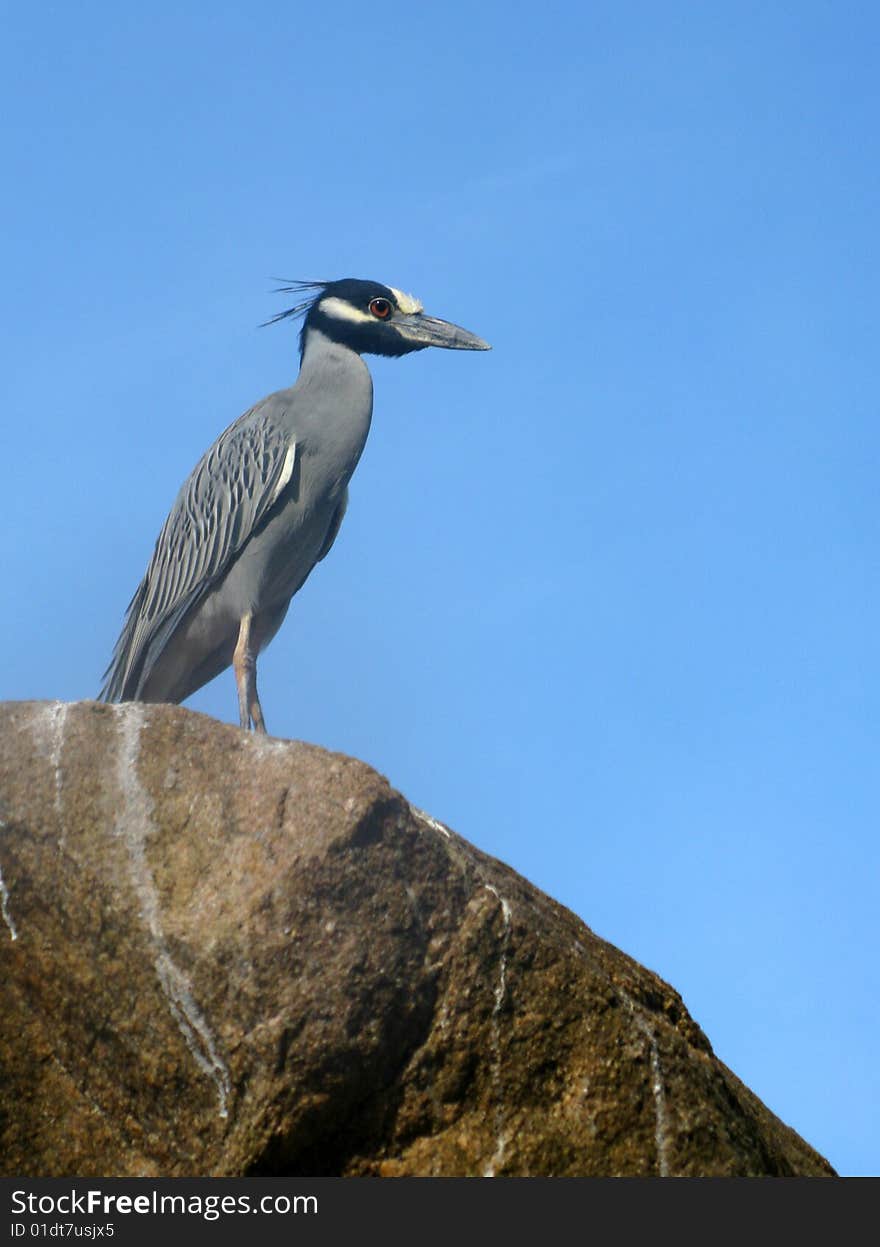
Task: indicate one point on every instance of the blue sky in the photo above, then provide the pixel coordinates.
(606, 599)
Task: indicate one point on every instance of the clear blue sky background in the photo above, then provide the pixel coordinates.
(606, 599)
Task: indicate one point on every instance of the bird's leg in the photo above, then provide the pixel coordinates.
(244, 663)
(256, 710)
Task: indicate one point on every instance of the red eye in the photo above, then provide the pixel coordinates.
(380, 308)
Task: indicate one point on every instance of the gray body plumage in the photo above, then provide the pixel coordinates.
(259, 511)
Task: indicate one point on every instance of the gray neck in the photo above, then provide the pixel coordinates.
(319, 351)
(335, 401)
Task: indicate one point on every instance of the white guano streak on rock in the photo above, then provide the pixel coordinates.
(47, 725)
(4, 902)
(430, 822)
(658, 1091)
(133, 826)
(661, 1128)
(500, 992)
(58, 720)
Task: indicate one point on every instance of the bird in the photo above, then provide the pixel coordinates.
(264, 504)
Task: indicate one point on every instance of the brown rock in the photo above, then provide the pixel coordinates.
(226, 955)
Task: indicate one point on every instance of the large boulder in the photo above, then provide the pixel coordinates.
(222, 954)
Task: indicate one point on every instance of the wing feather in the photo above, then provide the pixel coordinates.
(333, 530)
(228, 494)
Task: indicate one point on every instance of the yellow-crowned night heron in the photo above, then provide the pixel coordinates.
(264, 504)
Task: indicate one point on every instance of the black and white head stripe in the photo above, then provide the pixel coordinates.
(353, 311)
(338, 306)
(371, 319)
(347, 299)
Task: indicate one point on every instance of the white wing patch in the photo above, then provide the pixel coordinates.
(286, 472)
(407, 303)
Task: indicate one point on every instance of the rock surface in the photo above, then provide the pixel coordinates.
(226, 955)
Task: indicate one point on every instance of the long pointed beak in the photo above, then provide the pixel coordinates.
(424, 330)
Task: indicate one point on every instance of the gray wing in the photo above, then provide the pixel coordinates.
(228, 494)
(335, 525)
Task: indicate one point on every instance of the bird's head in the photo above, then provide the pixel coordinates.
(372, 319)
